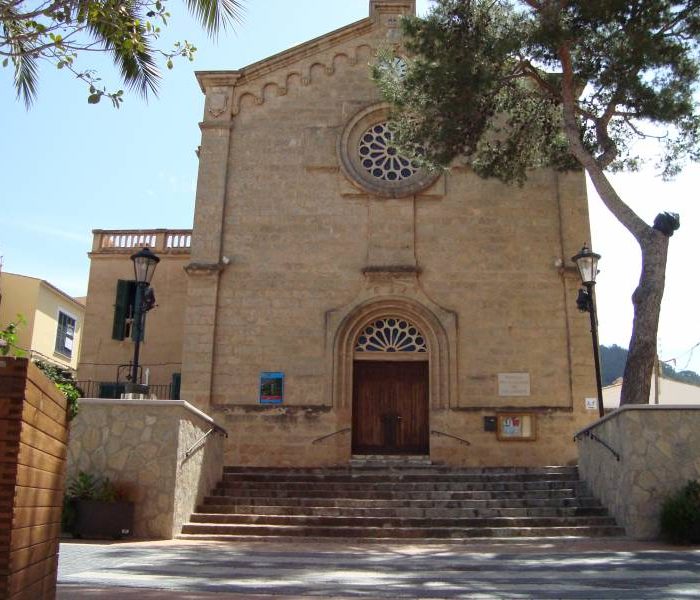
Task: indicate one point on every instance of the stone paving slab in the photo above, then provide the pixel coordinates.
(541, 569)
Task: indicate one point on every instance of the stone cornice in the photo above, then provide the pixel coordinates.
(636, 407)
(155, 403)
(391, 269)
(204, 268)
(216, 79)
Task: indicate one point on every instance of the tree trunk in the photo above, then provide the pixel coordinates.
(654, 245)
(636, 383)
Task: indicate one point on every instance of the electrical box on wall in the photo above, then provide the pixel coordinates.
(490, 424)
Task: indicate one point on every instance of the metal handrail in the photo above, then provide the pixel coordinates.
(593, 436)
(200, 442)
(449, 435)
(324, 437)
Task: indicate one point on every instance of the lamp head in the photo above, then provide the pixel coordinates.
(587, 263)
(144, 265)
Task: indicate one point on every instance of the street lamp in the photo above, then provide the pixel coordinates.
(145, 263)
(587, 263)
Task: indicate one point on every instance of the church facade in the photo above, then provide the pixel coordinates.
(341, 301)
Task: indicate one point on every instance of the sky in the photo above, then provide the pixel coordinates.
(67, 168)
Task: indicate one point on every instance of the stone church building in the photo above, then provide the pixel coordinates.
(336, 300)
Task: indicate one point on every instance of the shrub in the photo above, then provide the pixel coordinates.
(680, 515)
(63, 379)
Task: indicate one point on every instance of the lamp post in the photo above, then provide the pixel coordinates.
(587, 263)
(145, 263)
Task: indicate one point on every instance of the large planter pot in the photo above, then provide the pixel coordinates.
(97, 519)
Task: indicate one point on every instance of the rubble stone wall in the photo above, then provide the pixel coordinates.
(659, 452)
(141, 445)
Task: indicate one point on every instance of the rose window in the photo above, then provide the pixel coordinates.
(391, 334)
(381, 158)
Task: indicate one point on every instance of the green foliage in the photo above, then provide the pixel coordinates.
(613, 359)
(680, 515)
(489, 80)
(8, 338)
(85, 486)
(63, 378)
(612, 363)
(61, 31)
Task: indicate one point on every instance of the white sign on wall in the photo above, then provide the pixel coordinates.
(591, 403)
(514, 384)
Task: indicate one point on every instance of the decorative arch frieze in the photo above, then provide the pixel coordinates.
(306, 76)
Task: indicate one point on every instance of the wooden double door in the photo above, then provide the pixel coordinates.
(390, 407)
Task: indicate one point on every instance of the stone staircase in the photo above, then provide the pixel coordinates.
(412, 500)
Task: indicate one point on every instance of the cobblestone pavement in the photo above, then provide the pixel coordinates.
(567, 569)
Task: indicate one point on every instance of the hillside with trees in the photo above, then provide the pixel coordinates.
(613, 359)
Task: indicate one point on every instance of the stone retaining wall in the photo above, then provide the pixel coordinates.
(142, 445)
(659, 451)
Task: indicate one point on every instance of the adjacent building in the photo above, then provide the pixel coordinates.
(108, 349)
(668, 391)
(54, 320)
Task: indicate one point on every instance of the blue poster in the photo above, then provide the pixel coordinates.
(271, 387)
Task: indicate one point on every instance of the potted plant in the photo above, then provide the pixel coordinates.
(96, 507)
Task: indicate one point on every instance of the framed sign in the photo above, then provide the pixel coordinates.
(517, 427)
(271, 387)
(514, 384)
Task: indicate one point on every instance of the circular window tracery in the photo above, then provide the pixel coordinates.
(373, 163)
(391, 334)
(381, 158)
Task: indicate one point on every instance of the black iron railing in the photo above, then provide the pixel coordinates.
(589, 434)
(449, 435)
(114, 389)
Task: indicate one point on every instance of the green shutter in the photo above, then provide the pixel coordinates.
(175, 386)
(122, 307)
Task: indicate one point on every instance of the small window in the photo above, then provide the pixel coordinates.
(65, 334)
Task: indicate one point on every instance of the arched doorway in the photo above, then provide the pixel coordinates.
(391, 388)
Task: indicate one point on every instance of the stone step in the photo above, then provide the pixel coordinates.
(398, 476)
(398, 495)
(397, 486)
(400, 470)
(382, 460)
(401, 498)
(540, 539)
(208, 529)
(397, 522)
(407, 512)
(529, 502)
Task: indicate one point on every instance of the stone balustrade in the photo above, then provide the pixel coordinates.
(126, 241)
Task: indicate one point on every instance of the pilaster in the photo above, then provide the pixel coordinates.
(207, 261)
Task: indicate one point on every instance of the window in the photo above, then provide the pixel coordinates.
(391, 334)
(124, 309)
(65, 334)
(381, 158)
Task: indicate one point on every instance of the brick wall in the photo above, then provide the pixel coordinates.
(33, 438)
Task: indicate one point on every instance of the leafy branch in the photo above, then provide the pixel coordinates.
(59, 32)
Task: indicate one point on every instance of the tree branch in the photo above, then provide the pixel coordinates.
(634, 224)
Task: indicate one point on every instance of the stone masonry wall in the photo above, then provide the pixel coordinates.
(141, 445)
(659, 450)
(196, 473)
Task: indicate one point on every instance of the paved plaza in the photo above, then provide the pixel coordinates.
(611, 568)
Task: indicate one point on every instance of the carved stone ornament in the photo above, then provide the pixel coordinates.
(218, 103)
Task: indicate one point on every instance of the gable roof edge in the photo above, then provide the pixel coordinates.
(281, 59)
